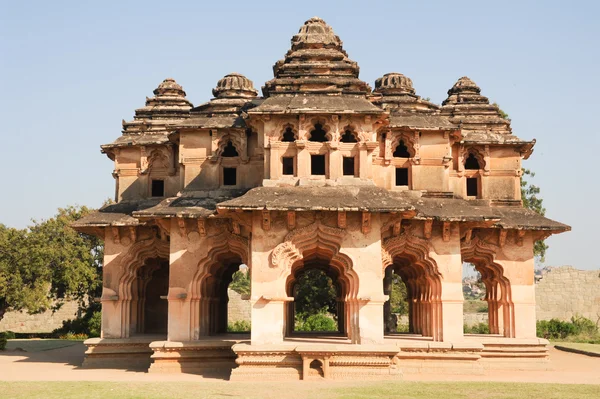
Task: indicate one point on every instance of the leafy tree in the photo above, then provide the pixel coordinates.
(529, 195)
(47, 263)
(398, 296)
(314, 292)
(240, 282)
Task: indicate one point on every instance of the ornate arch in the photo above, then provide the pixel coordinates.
(482, 254)
(408, 141)
(283, 129)
(309, 126)
(355, 131)
(236, 141)
(320, 241)
(479, 156)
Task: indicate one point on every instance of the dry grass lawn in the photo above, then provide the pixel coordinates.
(295, 390)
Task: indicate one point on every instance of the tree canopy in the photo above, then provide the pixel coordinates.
(531, 200)
(48, 262)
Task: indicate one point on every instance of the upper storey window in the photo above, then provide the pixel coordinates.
(472, 163)
(401, 150)
(229, 150)
(348, 137)
(318, 134)
(288, 135)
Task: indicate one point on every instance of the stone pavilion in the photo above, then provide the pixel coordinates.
(321, 171)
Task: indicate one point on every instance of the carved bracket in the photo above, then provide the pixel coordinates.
(427, 227)
(446, 231)
(291, 220)
(266, 220)
(502, 237)
(202, 227)
(342, 220)
(182, 227)
(366, 222)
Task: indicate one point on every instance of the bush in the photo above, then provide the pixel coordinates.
(73, 337)
(315, 322)
(3, 340)
(8, 335)
(402, 328)
(555, 329)
(239, 326)
(479, 328)
(88, 324)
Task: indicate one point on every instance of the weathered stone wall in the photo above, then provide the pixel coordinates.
(21, 322)
(564, 292)
(238, 309)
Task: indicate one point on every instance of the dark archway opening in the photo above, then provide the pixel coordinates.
(150, 289)
(401, 150)
(288, 135)
(318, 134)
(348, 137)
(472, 163)
(229, 150)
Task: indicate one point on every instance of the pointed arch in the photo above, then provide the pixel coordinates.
(498, 290)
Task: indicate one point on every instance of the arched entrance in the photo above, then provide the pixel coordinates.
(319, 305)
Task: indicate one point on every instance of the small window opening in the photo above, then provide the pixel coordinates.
(316, 367)
(472, 187)
(318, 134)
(348, 166)
(472, 162)
(288, 135)
(348, 137)
(288, 165)
(158, 188)
(229, 176)
(317, 165)
(229, 150)
(402, 177)
(401, 150)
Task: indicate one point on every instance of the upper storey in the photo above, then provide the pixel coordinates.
(318, 123)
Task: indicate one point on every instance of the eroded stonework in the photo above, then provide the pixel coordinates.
(321, 172)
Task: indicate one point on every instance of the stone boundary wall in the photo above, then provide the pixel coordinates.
(239, 309)
(470, 319)
(564, 292)
(21, 322)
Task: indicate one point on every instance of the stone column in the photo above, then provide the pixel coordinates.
(518, 264)
(303, 159)
(446, 253)
(335, 161)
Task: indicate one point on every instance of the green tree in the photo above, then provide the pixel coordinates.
(47, 263)
(240, 282)
(531, 200)
(398, 296)
(314, 292)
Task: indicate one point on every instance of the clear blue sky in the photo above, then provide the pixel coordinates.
(70, 71)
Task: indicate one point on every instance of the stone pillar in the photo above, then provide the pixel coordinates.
(363, 169)
(274, 162)
(518, 264)
(335, 161)
(303, 159)
(446, 253)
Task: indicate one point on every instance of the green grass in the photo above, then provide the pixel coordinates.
(38, 345)
(295, 390)
(595, 348)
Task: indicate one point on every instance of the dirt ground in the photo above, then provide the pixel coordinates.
(63, 364)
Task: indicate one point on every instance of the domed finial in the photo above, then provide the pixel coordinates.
(169, 87)
(464, 85)
(315, 33)
(394, 83)
(235, 85)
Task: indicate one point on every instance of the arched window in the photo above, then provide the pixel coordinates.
(472, 163)
(348, 137)
(401, 150)
(288, 135)
(229, 150)
(318, 134)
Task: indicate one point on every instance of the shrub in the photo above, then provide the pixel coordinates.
(555, 329)
(315, 322)
(88, 324)
(402, 328)
(73, 337)
(3, 341)
(8, 335)
(479, 328)
(239, 326)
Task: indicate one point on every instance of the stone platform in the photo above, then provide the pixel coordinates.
(302, 358)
